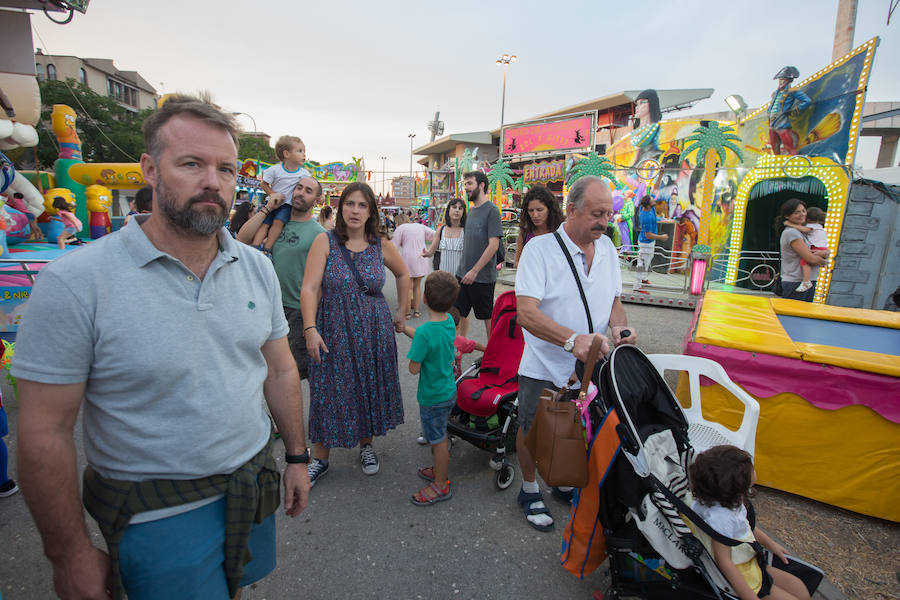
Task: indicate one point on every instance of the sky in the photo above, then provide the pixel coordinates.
(356, 78)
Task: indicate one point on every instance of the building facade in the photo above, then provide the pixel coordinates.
(128, 88)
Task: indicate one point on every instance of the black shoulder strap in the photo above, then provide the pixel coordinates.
(587, 311)
(352, 264)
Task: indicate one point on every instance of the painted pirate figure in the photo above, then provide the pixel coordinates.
(785, 103)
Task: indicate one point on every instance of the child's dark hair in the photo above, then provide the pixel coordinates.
(143, 199)
(722, 474)
(60, 203)
(441, 290)
(454, 312)
(814, 214)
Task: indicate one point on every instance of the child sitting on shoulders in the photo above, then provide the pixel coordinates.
(814, 231)
(281, 179)
(721, 478)
(431, 356)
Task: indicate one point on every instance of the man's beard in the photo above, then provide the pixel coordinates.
(300, 206)
(199, 223)
(473, 195)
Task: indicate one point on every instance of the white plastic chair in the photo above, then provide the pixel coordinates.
(705, 434)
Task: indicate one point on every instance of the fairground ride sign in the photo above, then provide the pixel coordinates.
(557, 135)
(545, 171)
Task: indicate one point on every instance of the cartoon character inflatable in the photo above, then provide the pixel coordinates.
(51, 224)
(99, 199)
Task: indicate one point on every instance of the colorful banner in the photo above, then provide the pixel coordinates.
(552, 136)
(335, 172)
(545, 171)
(12, 300)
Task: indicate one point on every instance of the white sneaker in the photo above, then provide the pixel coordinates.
(804, 286)
(368, 459)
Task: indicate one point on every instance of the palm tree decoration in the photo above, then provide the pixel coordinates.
(500, 178)
(594, 164)
(711, 142)
(519, 185)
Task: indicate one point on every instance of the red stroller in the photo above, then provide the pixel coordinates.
(486, 412)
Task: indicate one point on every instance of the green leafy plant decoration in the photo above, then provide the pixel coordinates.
(712, 137)
(594, 164)
(500, 173)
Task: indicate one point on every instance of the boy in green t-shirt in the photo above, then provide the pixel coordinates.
(431, 356)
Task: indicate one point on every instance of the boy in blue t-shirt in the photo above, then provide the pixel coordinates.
(281, 179)
(431, 357)
(646, 243)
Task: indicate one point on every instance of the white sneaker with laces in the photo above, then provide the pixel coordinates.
(316, 469)
(368, 459)
(805, 285)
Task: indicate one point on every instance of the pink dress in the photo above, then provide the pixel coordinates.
(410, 239)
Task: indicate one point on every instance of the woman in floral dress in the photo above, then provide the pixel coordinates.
(353, 379)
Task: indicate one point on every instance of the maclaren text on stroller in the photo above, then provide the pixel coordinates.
(486, 412)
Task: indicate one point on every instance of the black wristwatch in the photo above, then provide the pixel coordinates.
(293, 459)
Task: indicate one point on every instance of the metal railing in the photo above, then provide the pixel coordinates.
(669, 270)
(756, 270)
(23, 268)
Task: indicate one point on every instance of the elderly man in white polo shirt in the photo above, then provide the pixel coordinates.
(553, 316)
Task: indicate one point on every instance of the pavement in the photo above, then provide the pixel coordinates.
(360, 536)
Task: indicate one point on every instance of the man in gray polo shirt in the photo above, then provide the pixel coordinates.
(180, 475)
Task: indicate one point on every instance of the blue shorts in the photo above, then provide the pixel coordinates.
(282, 213)
(184, 556)
(434, 420)
(4, 424)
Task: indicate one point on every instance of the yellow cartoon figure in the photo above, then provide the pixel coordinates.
(99, 199)
(63, 122)
(58, 222)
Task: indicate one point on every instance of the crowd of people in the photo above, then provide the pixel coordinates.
(286, 297)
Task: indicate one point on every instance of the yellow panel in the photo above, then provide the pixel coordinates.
(871, 362)
(862, 316)
(743, 322)
(847, 457)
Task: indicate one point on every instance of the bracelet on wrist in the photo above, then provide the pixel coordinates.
(307, 328)
(267, 209)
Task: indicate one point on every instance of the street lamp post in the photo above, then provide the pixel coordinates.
(504, 61)
(383, 158)
(410, 136)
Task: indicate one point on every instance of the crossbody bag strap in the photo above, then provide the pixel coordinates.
(345, 252)
(587, 311)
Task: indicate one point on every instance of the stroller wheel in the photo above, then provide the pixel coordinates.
(505, 476)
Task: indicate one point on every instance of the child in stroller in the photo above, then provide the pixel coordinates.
(486, 403)
(639, 492)
(721, 478)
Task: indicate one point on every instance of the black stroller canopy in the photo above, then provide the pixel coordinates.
(633, 386)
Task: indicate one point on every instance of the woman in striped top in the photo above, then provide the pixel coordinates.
(449, 238)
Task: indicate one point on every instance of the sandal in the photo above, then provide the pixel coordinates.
(426, 473)
(416, 314)
(525, 501)
(431, 494)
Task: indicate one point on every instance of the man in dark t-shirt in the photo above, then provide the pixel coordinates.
(477, 271)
